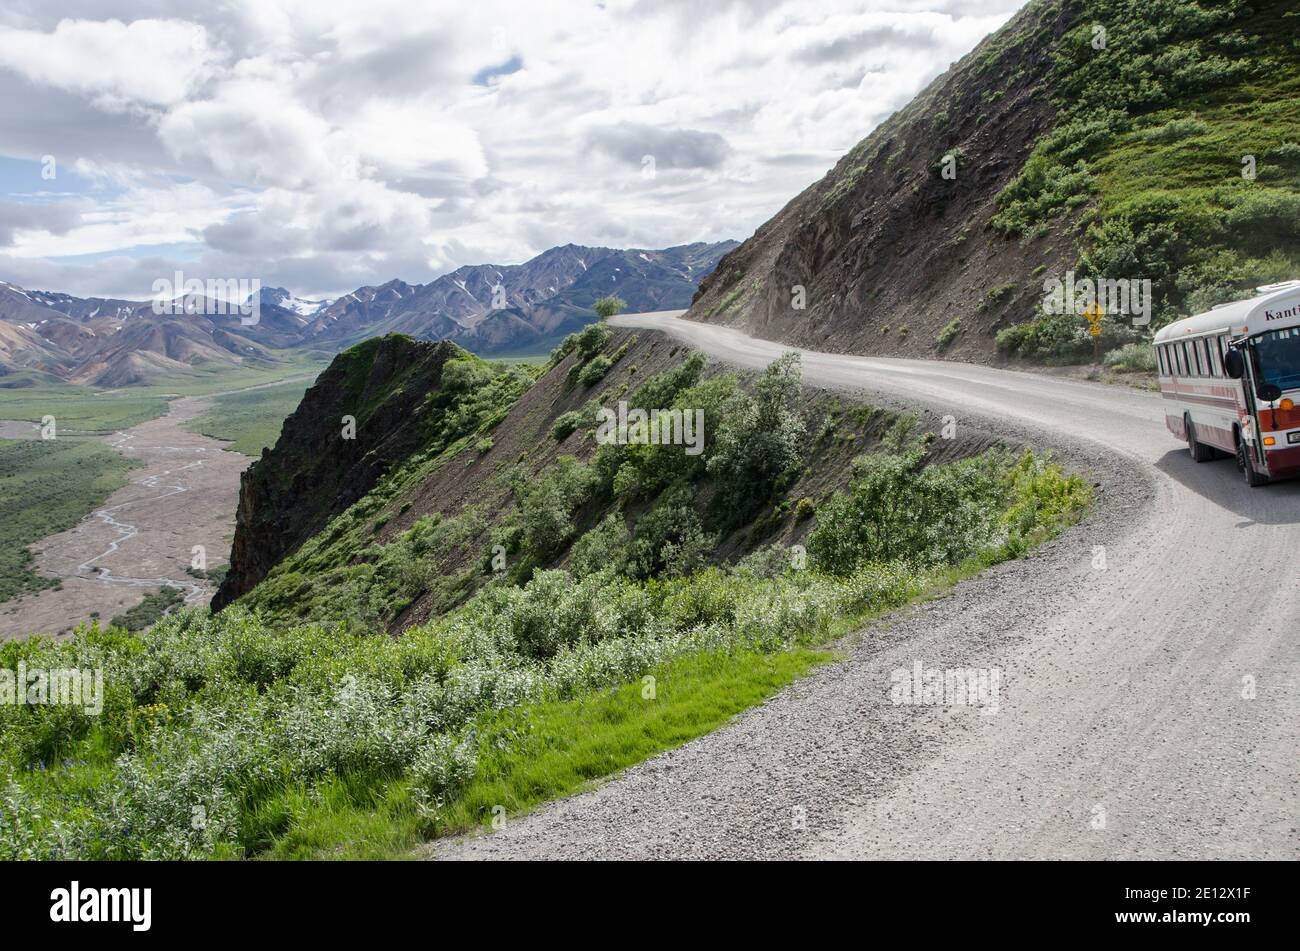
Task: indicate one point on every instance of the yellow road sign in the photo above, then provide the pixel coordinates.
(1095, 315)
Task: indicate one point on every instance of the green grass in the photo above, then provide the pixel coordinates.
(82, 409)
(568, 747)
(147, 612)
(1144, 166)
(47, 486)
(557, 749)
(252, 419)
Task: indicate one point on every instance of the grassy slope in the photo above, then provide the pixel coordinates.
(1144, 165)
(47, 486)
(571, 745)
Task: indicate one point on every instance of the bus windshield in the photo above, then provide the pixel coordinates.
(1277, 358)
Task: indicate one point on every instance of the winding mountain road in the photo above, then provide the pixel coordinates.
(1150, 672)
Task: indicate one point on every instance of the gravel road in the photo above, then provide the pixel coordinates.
(1149, 703)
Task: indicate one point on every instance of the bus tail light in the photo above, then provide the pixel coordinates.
(1270, 441)
(1287, 405)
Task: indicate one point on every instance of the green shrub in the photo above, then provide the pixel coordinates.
(759, 443)
(1175, 130)
(1288, 152)
(592, 339)
(547, 504)
(603, 548)
(897, 508)
(1063, 338)
(997, 295)
(669, 539)
(609, 306)
(1132, 357)
(632, 470)
(948, 333)
(147, 612)
(566, 424)
(594, 371)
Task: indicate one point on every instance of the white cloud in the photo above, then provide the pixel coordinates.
(337, 142)
(116, 64)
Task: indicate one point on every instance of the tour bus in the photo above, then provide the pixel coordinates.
(1231, 380)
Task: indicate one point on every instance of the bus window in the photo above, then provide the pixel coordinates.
(1211, 367)
(1197, 356)
(1276, 357)
(1163, 354)
(1182, 358)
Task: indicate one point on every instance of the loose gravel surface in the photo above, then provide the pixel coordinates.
(1149, 662)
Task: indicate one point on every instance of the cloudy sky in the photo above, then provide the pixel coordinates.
(323, 145)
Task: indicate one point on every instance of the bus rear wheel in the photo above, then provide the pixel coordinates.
(1253, 478)
(1200, 452)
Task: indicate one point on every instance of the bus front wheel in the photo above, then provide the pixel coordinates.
(1253, 478)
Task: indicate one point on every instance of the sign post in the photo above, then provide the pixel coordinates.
(1095, 315)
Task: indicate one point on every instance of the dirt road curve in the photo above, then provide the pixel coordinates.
(1147, 710)
(141, 539)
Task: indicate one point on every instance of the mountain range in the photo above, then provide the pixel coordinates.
(490, 309)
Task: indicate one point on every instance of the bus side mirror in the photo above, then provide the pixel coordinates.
(1234, 363)
(1269, 392)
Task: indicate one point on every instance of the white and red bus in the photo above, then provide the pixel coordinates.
(1231, 381)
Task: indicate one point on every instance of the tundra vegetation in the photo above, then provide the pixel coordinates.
(294, 724)
(250, 419)
(1175, 157)
(70, 476)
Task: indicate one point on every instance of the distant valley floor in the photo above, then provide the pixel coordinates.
(144, 534)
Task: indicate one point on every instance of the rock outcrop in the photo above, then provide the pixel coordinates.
(323, 462)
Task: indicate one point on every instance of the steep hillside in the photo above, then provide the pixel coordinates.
(545, 584)
(1105, 137)
(514, 464)
(365, 413)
